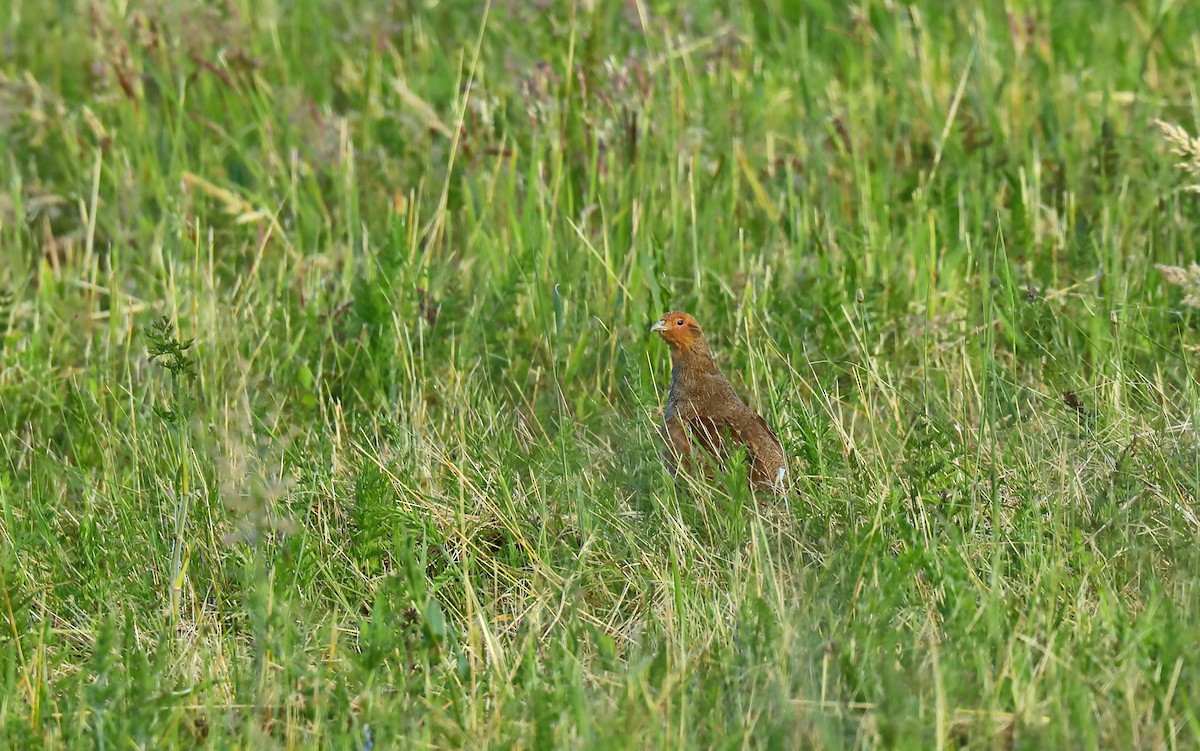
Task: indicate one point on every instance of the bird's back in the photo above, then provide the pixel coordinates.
(702, 400)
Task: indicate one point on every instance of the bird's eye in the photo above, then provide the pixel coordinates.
(679, 322)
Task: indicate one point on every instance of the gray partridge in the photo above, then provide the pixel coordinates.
(704, 411)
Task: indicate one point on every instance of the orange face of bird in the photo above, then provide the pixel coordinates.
(679, 330)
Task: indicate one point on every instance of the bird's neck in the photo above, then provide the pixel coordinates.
(691, 362)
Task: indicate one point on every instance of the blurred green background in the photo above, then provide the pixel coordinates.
(328, 410)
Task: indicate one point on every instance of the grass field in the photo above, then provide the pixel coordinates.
(328, 407)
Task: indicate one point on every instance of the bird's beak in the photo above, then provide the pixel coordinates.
(659, 326)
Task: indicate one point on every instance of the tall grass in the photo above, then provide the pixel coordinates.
(329, 411)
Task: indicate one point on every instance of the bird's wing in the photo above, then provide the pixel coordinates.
(706, 431)
(747, 428)
(758, 419)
